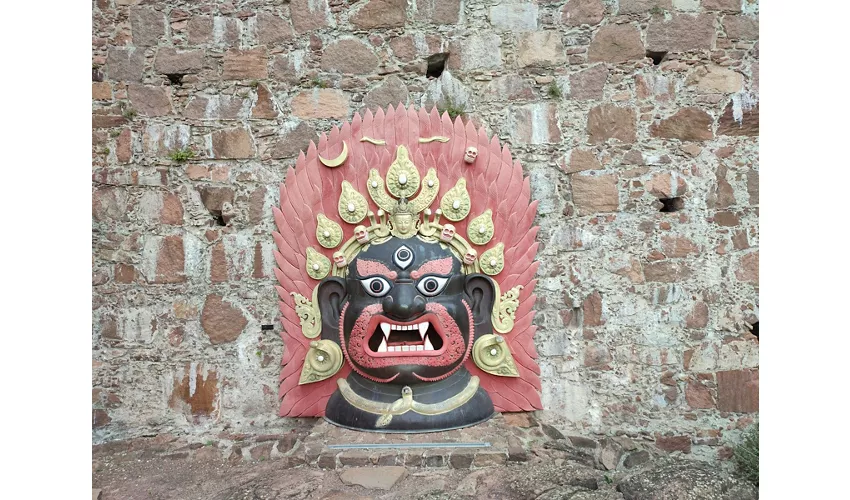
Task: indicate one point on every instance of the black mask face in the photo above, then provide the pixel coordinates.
(406, 312)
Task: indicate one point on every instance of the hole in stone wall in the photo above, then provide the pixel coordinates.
(175, 78)
(436, 64)
(266, 327)
(671, 204)
(755, 329)
(656, 57)
(218, 219)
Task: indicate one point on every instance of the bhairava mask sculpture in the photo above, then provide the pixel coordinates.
(393, 320)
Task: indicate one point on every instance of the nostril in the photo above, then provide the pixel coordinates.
(387, 303)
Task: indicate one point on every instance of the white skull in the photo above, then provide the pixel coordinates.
(361, 234)
(339, 259)
(470, 154)
(448, 233)
(470, 256)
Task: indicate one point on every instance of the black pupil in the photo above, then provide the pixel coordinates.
(403, 255)
(431, 285)
(376, 286)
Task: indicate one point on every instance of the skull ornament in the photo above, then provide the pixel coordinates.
(339, 260)
(470, 256)
(470, 154)
(448, 233)
(361, 234)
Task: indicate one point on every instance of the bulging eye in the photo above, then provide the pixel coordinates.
(376, 286)
(431, 285)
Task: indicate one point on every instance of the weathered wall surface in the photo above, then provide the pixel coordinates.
(642, 313)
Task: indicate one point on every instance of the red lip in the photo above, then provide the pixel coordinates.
(415, 348)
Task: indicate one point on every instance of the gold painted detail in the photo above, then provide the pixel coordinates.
(480, 229)
(491, 353)
(328, 232)
(493, 261)
(430, 187)
(318, 266)
(375, 185)
(352, 205)
(504, 310)
(403, 224)
(402, 177)
(377, 142)
(455, 203)
(309, 314)
(323, 360)
(339, 160)
(406, 403)
(437, 138)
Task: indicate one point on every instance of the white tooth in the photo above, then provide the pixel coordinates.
(386, 328)
(408, 327)
(420, 348)
(405, 348)
(428, 346)
(391, 348)
(383, 346)
(423, 327)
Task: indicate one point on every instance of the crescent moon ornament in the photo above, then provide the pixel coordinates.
(339, 160)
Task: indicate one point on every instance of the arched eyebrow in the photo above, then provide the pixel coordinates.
(372, 267)
(436, 266)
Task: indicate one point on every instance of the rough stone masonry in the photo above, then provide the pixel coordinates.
(637, 121)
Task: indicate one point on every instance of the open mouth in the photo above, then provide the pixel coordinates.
(422, 337)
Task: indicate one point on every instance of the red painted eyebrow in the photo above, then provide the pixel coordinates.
(372, 267)
(438, 266)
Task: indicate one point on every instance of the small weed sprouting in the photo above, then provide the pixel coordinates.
(746, 455)
(129, 113)
(259, 353)
(319, 83)
(104, 151)
(656, 11)
(554, 91)
(454, 110)
(182, 155)
(254, 84)
(608, 479)
(114, 133)
(208, 443)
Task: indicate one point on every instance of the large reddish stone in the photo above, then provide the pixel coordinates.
(667, 185)
(232, 143)
(349, 56)
(439, 11)
(292, 142)
(200, 30)
(478, 51)
(125, 65)
(320, 103)
(264, 107)
(172, 61)
(683, 33)
(738, 391)
(109, 203)
(717, 79)
(535, 124)
(616, 43)
(391, 92)
(216, 107)
(748, 268)
(678, 246)
(309, 15)
(595, 193)
(741, 27)
(509, 88)
(747, 124)
(673, 443)
(588, 84)
(578, 12)
(723, 5)
(412, 46)
(380, 14)
(581, 160)
(699, 395)
(592, 310)
(245, 64)
(257, 205)
(147, 26)
(541, 48)
(666, 271)
(214, 198)
(124, 146)
(221, 321)
(172, 210)
(642, 6)
(273, 30)
(608, 121)
(753, 186)
(196, 394)
(698, 317)
(170, 261)
(687, 124)
(218, 263)
(656, 86)
(148, 100)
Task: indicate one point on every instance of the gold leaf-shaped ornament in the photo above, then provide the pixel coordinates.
(352, 205)
(318, 266)
(308, 313)
(402, 177)
(430, 187)
(323, 360)
(328, 232)
(480, 229)
(491, 353)
(493, 261)
(504, 310)
(456, 203)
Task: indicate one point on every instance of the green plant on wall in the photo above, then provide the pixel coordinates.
(554, 91)
(747, 455)
(181, 155)
(448, 106)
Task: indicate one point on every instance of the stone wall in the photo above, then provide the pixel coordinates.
(637, 121)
